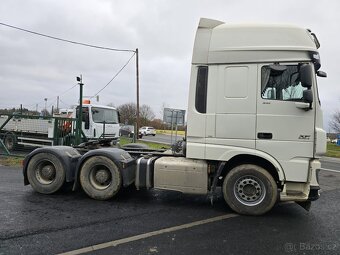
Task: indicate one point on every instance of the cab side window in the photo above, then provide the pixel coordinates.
(282, 83)
(85, 115)
(201, 89)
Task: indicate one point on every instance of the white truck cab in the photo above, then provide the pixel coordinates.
(254, 97)
(99, 120)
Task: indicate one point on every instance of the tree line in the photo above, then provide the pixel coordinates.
(128, 114)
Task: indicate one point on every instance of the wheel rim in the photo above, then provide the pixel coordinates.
(100, 177)
(9, 142)
(45, 172)
(249, 190)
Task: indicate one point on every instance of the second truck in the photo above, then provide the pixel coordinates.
(255, 127)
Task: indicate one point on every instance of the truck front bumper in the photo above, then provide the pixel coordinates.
(303, 191)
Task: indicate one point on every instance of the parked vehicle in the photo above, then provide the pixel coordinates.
(99, 121)
(127, 130)
(35, 131)
(254, 127)
(147, 131)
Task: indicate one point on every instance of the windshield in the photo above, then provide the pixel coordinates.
(99, 115)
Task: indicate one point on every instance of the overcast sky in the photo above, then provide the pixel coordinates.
(33, 68)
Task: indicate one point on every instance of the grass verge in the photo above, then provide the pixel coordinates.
(11, 161)
(168, 132)
(333, 150)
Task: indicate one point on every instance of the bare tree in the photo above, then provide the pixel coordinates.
(146, 115)
(335, 121)
(128, 114)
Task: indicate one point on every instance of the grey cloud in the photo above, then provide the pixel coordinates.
(32, 68)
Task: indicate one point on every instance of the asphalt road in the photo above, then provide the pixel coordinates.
(160, 138)
(330, 163)
(160, 222)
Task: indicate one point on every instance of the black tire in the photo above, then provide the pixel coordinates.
(10, 141)
(45, 173)
(250, 190)
(100, 178)
(153, 135)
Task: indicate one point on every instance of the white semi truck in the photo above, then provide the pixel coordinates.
(255, 127)
(98, 121)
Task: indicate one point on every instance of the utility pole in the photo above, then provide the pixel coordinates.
(80, 110)
(57, 103)
(137, 84)
(45, 113)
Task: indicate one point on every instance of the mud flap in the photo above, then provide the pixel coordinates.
(305, 205)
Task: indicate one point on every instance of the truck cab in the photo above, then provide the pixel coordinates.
(98, 120)
(254, 98)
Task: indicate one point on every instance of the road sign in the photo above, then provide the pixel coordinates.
(174, 116)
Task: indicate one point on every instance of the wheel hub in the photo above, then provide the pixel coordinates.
(102, 176)
(47, 172)
(249, 190)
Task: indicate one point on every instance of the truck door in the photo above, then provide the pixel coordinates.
(86, 123)
(231, 108)
(283, 128)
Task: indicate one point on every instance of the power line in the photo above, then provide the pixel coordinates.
(115, 75)
(67, 104)
(42, 101)
(77, 43)
(65, 40)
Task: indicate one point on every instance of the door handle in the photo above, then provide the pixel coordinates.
(265, 136)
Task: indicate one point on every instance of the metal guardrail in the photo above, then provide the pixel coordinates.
(20, 134)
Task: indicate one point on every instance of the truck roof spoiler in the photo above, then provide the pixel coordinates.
(209, 23)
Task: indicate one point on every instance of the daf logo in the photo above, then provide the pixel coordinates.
(304, 137)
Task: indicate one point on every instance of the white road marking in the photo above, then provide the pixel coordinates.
(330, 170)
(147, 235)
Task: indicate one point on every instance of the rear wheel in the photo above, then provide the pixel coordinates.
(249, 189)
(10, 141)
(45, 173)
(100, 178)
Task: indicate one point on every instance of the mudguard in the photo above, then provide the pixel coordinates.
(123, 160)
(68, 156)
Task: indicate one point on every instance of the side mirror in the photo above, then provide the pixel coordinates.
(308, 96)
(306, 75)
(321, 74)
(307, 100)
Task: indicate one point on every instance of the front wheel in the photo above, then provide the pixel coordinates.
(100, 178)
(250, 190)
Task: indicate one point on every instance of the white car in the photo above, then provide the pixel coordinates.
(147, 131)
